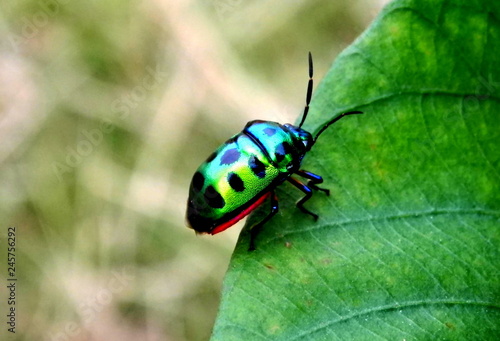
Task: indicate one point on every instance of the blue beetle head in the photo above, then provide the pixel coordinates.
(301, 135)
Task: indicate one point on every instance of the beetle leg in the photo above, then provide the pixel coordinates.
(308, 194)
(314, 179)
(254, 231)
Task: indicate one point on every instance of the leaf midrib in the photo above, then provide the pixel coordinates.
(425, 92)
(397, 306)
(399, 216)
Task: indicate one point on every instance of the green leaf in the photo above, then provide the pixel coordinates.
(406, 247)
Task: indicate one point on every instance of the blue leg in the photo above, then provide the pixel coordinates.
(308, 194)
(314, 179)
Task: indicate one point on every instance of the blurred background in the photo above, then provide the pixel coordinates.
(106, 110)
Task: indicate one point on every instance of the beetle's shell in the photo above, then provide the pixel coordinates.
(240, 172)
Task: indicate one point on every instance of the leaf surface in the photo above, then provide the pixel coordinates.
(406, 246)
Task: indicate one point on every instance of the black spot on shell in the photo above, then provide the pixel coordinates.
(230, 156)
(198, 181)
(211, 157)
(235, 182)
(196, 220)
(269, 131)
(257, 167)
(282, 150)
(213, 198)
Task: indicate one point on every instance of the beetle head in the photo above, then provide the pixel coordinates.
(301, 135)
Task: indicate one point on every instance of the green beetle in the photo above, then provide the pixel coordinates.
(243, 172)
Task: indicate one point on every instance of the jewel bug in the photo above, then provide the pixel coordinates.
(243, 172)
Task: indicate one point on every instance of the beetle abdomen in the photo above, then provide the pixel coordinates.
(231, 179)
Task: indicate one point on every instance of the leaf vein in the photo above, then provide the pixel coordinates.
(402, 215)
(390, 307)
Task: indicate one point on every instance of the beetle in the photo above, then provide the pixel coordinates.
(244, 171)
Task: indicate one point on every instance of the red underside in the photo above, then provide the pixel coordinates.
(241, 215)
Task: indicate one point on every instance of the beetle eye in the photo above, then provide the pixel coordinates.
(307, 144)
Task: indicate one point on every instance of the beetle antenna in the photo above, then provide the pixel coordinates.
(333, 121)
(309, 91)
